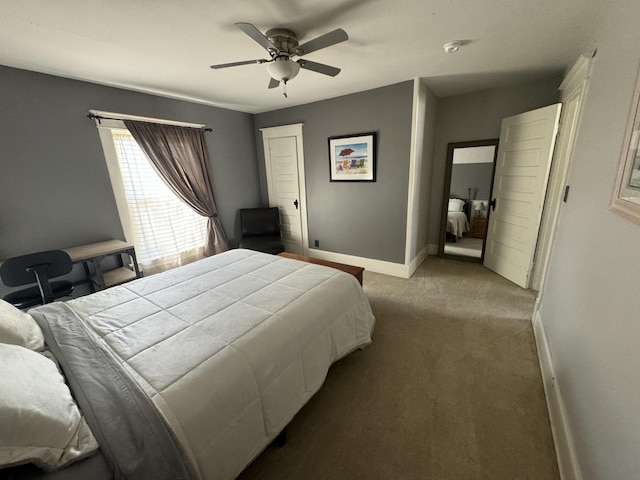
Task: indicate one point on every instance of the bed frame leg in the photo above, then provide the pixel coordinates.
(281, 439)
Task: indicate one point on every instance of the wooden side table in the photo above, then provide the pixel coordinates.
(479, 227)
(350, 269)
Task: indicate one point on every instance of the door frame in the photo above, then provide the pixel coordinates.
(293, 130)
(574, 84)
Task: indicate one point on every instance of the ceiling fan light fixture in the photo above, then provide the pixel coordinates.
(283, 69)
(452, 47)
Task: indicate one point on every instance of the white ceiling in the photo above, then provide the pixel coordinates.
(166, 47)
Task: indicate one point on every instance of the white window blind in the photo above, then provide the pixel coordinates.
(167, 232)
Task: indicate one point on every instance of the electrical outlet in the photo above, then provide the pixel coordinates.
(316, 243)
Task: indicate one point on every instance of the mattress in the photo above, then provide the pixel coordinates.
(229, 348)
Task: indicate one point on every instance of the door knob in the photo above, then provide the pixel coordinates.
(296, 204)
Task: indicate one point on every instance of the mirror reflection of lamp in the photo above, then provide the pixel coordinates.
(480, 209)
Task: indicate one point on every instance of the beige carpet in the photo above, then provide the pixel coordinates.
(449, 389)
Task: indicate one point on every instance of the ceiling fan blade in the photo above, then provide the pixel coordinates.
(256, 35)
(273, 83)
(319, 67)
(323, 41)
(235, 64)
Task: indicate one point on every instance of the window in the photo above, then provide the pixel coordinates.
(165, 231)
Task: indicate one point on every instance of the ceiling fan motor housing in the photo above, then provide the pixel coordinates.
(284, 40)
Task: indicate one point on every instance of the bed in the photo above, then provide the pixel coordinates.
(191, 373)
(457, 224)
(457, 220)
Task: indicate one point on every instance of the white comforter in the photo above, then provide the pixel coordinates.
(457, 223)
(231, 347)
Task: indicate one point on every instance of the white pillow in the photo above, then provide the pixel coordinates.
(39, 420)
(455, 205)
(19, 328)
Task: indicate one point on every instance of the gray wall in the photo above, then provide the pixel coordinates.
(476, 176)
(355, 218)
(477, 116)
(590, 304)
(54, 185)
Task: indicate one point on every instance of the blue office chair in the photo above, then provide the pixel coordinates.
(37, 269)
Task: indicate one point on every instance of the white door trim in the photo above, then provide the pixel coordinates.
(574, 85)
(293, 130)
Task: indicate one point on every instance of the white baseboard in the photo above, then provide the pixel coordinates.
(563, 440)
(413, 266)
(378, 266)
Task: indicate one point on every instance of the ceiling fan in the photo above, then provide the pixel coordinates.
(282, 44)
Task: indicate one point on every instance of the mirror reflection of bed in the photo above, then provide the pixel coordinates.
(465, 232)
(466, 201)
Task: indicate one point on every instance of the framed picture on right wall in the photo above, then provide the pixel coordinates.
(626, 195)
(634, 175)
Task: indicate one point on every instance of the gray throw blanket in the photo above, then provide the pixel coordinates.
(134, 440)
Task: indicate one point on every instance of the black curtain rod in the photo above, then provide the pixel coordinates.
(93, 116)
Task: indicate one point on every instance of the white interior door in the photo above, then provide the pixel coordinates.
(519, 186)
(284, 164)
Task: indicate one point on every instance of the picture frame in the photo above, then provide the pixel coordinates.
(352, 158)
(626, 195)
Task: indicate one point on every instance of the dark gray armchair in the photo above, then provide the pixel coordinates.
(260, 228)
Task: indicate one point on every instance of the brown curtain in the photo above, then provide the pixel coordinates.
(179, 155)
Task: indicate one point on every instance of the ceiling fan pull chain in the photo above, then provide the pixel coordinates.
(284, 88)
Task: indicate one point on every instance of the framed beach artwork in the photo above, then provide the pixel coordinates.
(352, 158)
(626, 196)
